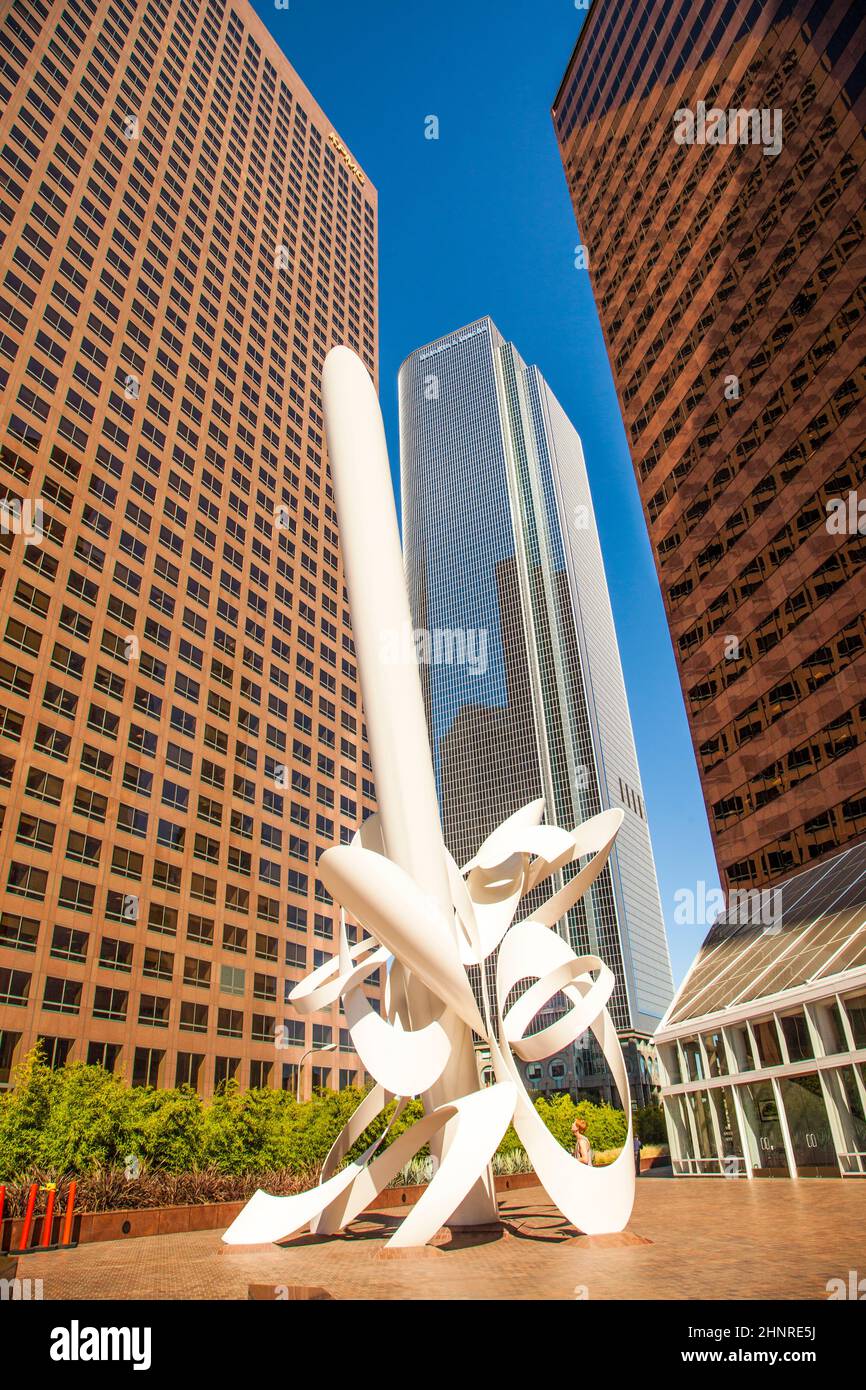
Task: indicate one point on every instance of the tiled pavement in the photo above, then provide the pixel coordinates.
(709, 1238)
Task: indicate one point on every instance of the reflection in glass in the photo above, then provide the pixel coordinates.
(769, 1048)
(853, 1112)
(809, 1126)
(707, 1146)
(671, 1060)
(694, 1062)
(715, 1050)
(683, 1145)
(742, 1046)
(727, 1123)
(763, 1130)
(834, 1033)
(855, 1008)
(797, 1037)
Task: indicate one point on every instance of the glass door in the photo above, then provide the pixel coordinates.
(809, 1126)
(764, 1131)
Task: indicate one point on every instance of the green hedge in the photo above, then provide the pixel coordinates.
(606, 1128)
(650, 1122)
(78, 1119)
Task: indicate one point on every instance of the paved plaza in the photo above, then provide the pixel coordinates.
(688, 1238)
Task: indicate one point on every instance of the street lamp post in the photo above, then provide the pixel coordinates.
(327, 1047)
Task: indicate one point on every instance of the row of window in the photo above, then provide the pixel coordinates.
(73, 943)
(149, 1066)
(60, 994)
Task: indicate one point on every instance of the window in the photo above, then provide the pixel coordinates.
(14, 986)
(19, 933)
(225, 1070)
(147, 1066)
(35, 832)
(90, 804)
(62, 996)
(197, 972)
(84, 849)
(263, 1028)
(103, 1055)
(110, 1003)
(193, 1017)
(115, 954)
(158, 965)
(232, 979)
(188, 1069)
(27, 882)
(230, 1023)
(76, 896)
(153, 1010)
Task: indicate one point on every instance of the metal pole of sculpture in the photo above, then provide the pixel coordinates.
(394, 709)
(428, 920)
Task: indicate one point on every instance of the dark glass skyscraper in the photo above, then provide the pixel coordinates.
(714, 153)
(520, 665)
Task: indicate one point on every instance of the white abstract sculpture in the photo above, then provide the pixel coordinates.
(428, 920)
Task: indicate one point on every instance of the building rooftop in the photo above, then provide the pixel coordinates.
(811, 928)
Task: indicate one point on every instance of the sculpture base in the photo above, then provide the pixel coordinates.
(484, 1228)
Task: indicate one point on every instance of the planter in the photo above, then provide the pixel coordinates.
(90, 1227)
(659, 1161)
(405, 1196)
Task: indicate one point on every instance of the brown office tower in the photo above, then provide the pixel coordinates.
(714, 152)
(183, 238)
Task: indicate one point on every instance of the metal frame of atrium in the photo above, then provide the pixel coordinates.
(763, 1051)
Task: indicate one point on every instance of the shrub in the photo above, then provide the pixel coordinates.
(24, 1114)
(171, 1129)
(606, 1128)
(510, 1142)
(650, 1124)
(108, 1189)
(82, 1121)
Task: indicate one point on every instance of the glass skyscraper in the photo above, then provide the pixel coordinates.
(519, 660)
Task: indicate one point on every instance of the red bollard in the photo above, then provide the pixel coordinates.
(2, 1205)
(48, 1219)
(28, 1216)
(66, 1234)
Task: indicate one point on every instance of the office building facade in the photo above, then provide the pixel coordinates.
(519, 660)
(183, 236)
(714, 153)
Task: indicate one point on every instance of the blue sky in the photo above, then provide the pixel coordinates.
(479, 222)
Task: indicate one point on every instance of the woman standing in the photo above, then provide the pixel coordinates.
(582, 1149)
